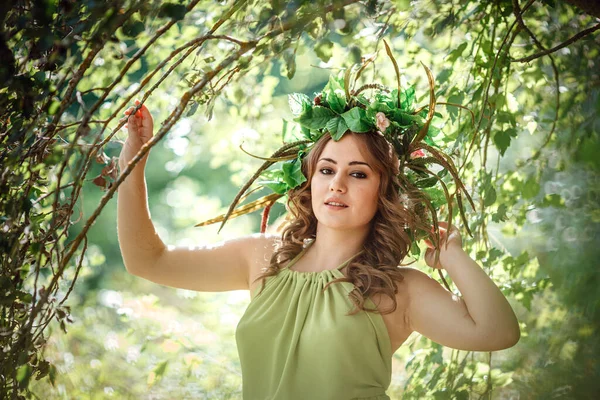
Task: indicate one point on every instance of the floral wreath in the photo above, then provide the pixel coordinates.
(340, 108)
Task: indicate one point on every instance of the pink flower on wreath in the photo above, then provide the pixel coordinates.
(417, 154)
(381, 121)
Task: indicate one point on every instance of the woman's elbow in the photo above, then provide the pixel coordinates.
(510, 338)
(514, 336)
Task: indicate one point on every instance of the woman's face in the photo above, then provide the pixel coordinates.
(343, 175)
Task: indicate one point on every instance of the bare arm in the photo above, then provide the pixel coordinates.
(225, 266)
(139, 242)
(212, 268)
(482, 320)
(220, 267)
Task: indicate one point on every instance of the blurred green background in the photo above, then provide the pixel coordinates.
(537, 222)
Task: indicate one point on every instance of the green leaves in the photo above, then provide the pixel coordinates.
(299, 103)
(357, 120)
(376, 107)
(158, 372)
(454, 54)
(489, 196)
(289, 70)
(315, 118)
(334, 95)
(23, 375)
(133, 28)
(502, 139)
(288, 177)
(173, 11)
(407, 98)
(324, 49)
(292, 173)
(404, 119)
(334, 99)
(500, 214)
(337, 127)
(530, 189)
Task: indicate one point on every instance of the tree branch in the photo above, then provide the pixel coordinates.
(560, 46)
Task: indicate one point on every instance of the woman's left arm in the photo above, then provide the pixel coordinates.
(481, 320)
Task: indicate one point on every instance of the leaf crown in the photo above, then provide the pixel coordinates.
(340, 108)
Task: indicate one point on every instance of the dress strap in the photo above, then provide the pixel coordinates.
(348, 260)
(289, 264)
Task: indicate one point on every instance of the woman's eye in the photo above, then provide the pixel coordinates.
(359, 175)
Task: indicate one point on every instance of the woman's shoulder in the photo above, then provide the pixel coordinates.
(262, 247)
(414, 276)
(416, 281)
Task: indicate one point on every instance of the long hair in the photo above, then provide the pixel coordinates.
(374, 270)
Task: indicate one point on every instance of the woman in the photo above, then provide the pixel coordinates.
(308, 332)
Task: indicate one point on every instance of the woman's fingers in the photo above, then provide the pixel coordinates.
(139, 122)
(141, 113)
(138, 113)
(145, 113)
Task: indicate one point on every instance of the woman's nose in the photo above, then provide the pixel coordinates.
(337, 184)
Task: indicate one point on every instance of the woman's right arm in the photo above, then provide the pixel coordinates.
(221, 267)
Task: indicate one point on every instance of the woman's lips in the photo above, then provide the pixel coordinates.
(336, 208)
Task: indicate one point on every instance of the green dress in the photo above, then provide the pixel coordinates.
(296, 342)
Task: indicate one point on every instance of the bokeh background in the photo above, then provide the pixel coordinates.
(529, 157)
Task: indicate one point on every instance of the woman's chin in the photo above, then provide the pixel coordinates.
(338, 223)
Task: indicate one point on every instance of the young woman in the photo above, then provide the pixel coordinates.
(329, 304)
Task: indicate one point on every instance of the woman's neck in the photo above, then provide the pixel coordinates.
(332, 247)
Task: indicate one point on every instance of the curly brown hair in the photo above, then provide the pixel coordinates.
(375, 269)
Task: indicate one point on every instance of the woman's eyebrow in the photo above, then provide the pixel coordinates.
(350, 163)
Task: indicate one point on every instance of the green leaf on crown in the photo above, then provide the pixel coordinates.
(334, 95)
(274, 181)
(336, 127)
(433, 131)
(357, 120)
(378, 106)
(407, 98)
(394, 99)
(315, 118)
(299, 103)
(436, 196)
(403, 118)
(383, 97)
(308, 135)
(371, 114)
(363, 100)
(276, 186)
(426, 182)
(292, 173)
(430, 142)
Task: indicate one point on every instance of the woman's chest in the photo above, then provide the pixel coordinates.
(318, 308)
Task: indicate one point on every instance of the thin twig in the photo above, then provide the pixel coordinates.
(560, 46)
(556, 79)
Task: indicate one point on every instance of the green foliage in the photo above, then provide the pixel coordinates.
(356, 120)
(70, 68)
(315, 118)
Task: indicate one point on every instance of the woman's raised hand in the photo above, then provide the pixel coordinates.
(140, 128)
(453, 238)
